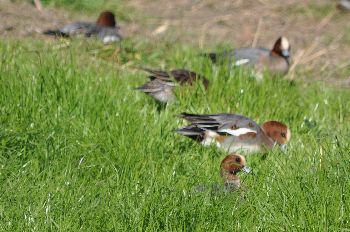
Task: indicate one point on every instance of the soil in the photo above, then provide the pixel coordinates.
(318, 32)
(21, 19)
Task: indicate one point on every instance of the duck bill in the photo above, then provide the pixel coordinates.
(246, 169)
(285, 53)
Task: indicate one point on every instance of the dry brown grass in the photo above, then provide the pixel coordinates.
(316, 29)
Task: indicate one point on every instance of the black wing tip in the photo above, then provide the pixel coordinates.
(55, 33)
(152, 73)
(190, 129)
(181, 115)
(192, 132)
(149, 70)
(143, 89)
(140, 88)
(185, 115)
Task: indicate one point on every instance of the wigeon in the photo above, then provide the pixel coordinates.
(230, 166)
(233, 132)
(105, 29)
(275, 60)
(161, 84)
(344, 5)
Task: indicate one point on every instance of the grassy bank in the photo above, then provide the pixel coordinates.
(80, 149)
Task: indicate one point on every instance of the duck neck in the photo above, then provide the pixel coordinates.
(267, 140)
(232, 182)
(227, 175)
(273, 53)
(278, 55)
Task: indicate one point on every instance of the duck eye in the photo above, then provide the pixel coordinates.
(283, 134)
(238, 160)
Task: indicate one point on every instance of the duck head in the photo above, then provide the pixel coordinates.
(278, 132)
(232, 164)
(281, 47)
(106, 19)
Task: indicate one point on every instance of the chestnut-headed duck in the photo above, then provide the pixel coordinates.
(162, 84)
(233, 132)
(105, 28)
(230, 166)
(275, 60)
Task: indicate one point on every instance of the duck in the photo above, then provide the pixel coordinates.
(162, 83)
(105, 28)
(234, 132)
(275, 60)
(230, 166)
(344, 5)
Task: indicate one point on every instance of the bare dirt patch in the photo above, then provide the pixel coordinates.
(24, 20)
(21, 19)
(318, 32)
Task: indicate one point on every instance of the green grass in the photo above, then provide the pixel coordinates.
(89, 5)
(81, 150)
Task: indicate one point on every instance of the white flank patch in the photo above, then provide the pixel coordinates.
(207, 141)
(238, 132)
(211, 134)
(110, 38)
(284, 43)
(242, 61)
(209, 138)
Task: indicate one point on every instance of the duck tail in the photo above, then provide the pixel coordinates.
(195, 118)
(192, 132)
(143, 88)
(57, 33)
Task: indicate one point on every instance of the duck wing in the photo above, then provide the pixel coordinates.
(240, 56)
(223, 124)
